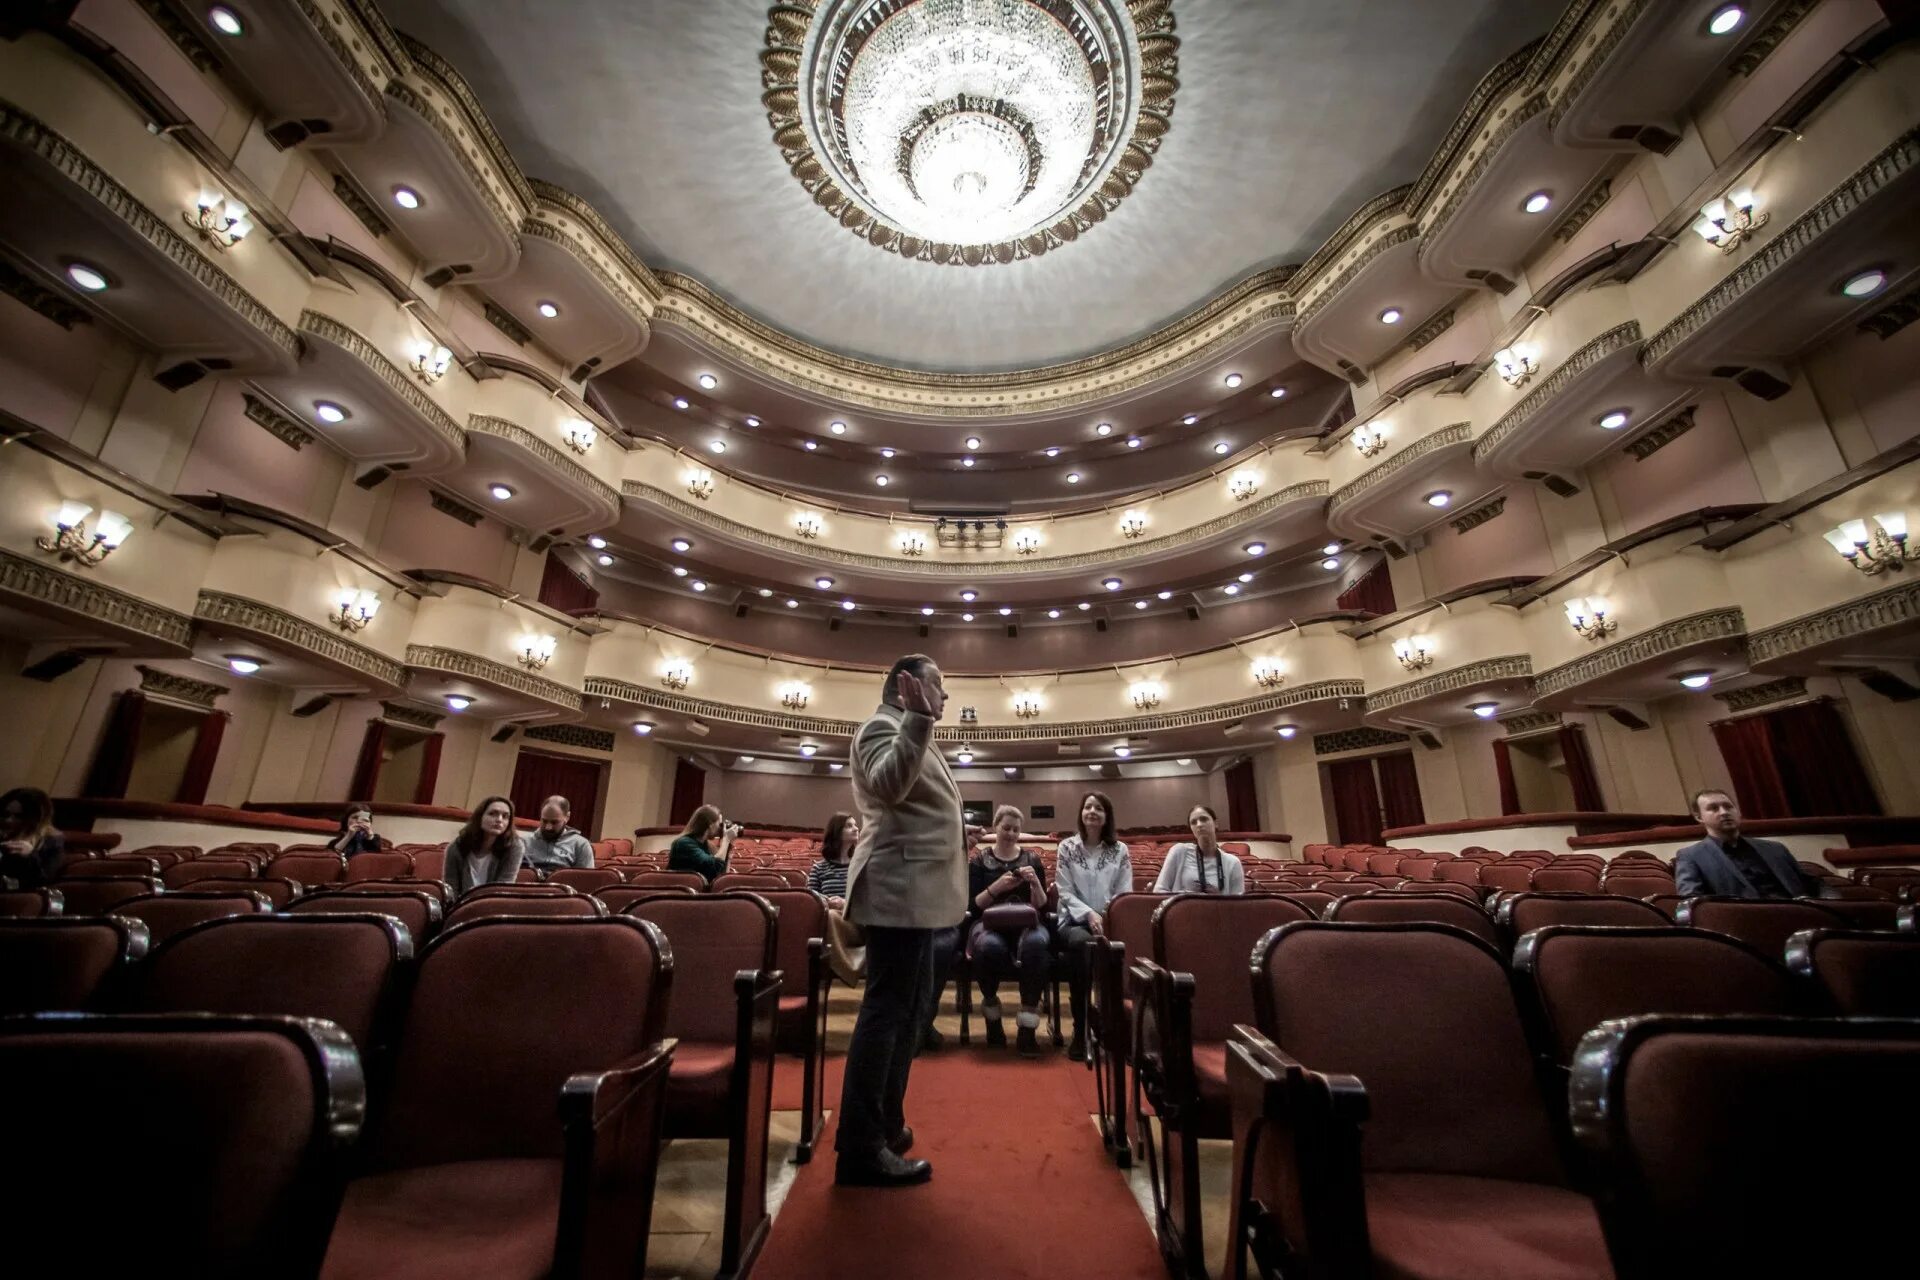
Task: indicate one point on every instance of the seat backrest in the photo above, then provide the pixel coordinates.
(1384, 864)
(1457, 871)
(493, 1029)
(1345, 888)
(109, 865)
(1861, 914)
(97, 897)
(1668, 904)
(619, 897)
(430, 864)
(748, 880)
(251, 1114)
(1863, 973)
(1213, 938)
(1577, 976)
(474, 908)
(1511, 874)
(64, 962)
(671, 880)
(166, 914)
(1388, 1003)
(1130, 921)
(1525, 912)
(1433, 908)
(1312, 901)
(586, 879)
(713, 937)
(1765, 924)
(1559, 879)
(1354, 860)
(313, 868)
(435, 889)
(280, 893)
(519, 889)
(30, 904)
(338, 967)
(419, 912)
(383, 864)
(1636, 884)
(800, 915)
(1419, 868)
(182, 874)
(1465, 892)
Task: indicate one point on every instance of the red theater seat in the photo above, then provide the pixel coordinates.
(587, 879)
(166, 914)
(420, 913)
(475, 907)
(1524, 912)
(65, 962)
(800, 953)
(386, 864)
(1861, 973)
(1432, 908)
(97, 897)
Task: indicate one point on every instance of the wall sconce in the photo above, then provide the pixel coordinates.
(700, 483)
(1518, 363)
(430, 361)
(579, 434)
(969, 715)
(221, 222)
(1242, 485)
(1145, 694)
(1027, 705)
(354, 609)
(794, 695)
(1592, 617)
(677, 675)
(1729, 222)
(537, 651)
(1414, 652)
(1874, 545)
(808, 525)
(1370, 440)
(1133, 524)
(70, 538)
(911, 544)
(1026, 541)
(1268, 673)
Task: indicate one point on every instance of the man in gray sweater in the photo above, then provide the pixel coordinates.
(555, 844)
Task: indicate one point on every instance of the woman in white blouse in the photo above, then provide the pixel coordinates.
(1093, 868)
(1201, 865)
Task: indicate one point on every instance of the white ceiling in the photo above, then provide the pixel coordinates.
(1290, 115)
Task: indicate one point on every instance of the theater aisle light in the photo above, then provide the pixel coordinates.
(71, 541)
(1591, 617)
(537, 651)
(1415, 653)
(1133, 524)
(221, 222)
(1873, 545)
(1517, 364)
(1027, 706)
(1243, 484)
(430, 361)
(794, 695)
(1728, 222)
(353, 608)
(1370, 439)
(1025, 543)
(677, 674)
(579, 434)
(1145, 694)
(1268, 673)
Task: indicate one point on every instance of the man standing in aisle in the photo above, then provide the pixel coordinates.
(908, 878)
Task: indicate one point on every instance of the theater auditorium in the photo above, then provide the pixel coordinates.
(1035, 639)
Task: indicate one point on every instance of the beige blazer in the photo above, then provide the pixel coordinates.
(909, 868)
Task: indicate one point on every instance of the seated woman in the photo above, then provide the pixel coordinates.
(356, 832)
(1092, 869)
(828, 878)
(1005, 875)
(30, 849)
(1201, 865)
(486, 850)
(692, 850)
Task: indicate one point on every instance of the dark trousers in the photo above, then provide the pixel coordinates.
(1078, 942)
(894, 1009)
(996, 956)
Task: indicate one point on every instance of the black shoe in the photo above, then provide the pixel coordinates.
(882, 1169)
(1028, 1043)
(932, 1039)
(901, 1142)
(996, 1034)
(1077, 1047)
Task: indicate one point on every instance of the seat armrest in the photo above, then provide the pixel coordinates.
(613, 1122)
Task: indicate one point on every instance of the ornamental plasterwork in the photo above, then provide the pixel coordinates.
(1526, 723)
(1515, 666)
(1572, 78)
(277, 424)
(1468, 520)
(522, 438)
(243, 614)
(32, 580)
(1669, 637)
(419, 102)
(1615, 339)
(185, 35)
(1429, 443)
(428, 657)
(1374, 210)
(1372, 248)
(646, 490)
(178, 688)
(409, 717)
(1762, 44)
(1581, 214)
(357, 51)
(50, 303)
(328, 329)
(1472, 119)
(1661, 435)
(1776, 253)
(542, 225)
(472, 117)
(1511, 120)
(1364, 738)
(1763, 695)
(573, 735)
(621, 251)
(1890, 608)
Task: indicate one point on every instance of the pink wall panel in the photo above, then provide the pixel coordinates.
(1463, 341)
(1886, 385)
(1706, 467)
(1624, 218)
(319, 213)
(418, 537)
(46, 371)
(1510, 544)
(234, 455)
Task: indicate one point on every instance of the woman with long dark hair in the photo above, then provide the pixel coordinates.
(30, 848)
(1201, 865)
(356, 833)
(1092, 869)
(846, 953)
(694, 848)
(486, 851)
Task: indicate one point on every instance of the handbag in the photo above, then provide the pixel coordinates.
(846, 948)
(1010, 917)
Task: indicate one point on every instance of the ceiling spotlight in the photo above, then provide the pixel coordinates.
(597, 542)
(328, 411)
(825, 584)
(1330, 564)
(765, 592)
(1123, 752)
(605, 559)
(926, 611)
(1538, 202)
(1139, 604)
(406, 197)
(707, 383)
(1234, 380)
(848, 605)
(1287, 730)
(717, 446)
(681, 545)
(679, 402)
(807, 748)
(1083, 606)
(793, 604)
(836, 766)
(969, 595)
(973, 443)
(1104, 429)
(1278, 393)
(458, 703)
(966, 617)
(1485, 710)
(1865, 284)
(698, 585)
(500, 492)
(886, 453)
(92, 279)
(1614, 419)
(1438, 498)
(1073, 477)
(838, 428)
(1166, 595)
(966, 462)
(1111, 584)
(1331, 549)
(1725, 20)
(753, 422)
(1133, 442)
(882, 481)
(1009, 770)
(1223, 448)
(1191, 418)
(812, 445)
(641, 727)
(1052, 451)
(1053, 613)
(1005, 612)
(1185, 762)
(1390, 316)
(1697, 679)
(1232, 588)
(1246, 577)
(243, 666)
(964, 757)
(225, 21)
(548, 309)
(1255, 548)
(679, 571)
(746, 759)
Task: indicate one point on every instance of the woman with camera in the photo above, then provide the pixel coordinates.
(1007, 936)
(693, 849)
(356, 834)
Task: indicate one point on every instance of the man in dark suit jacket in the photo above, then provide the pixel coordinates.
(1731, 865)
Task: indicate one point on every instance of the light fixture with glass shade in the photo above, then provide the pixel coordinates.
(1133, 524)
(699, 482)
(537, 651)
(794, 695)
(1591, 617)
(1729, 221)
(1874, 545)
(1370, 438)
(1025, 542)
(1269, 673)
(1145, 694)
(72, 543)
(220, 221)
(579, 434)
(677, 674)
(1415, 653)
(1517, 364)
(354, 608)
(1027, 706)
(1243, 484)
(808, 524)
(430, 361)
(911, 544)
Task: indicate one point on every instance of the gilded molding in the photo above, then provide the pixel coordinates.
(626, 294)
(1659, 437)
(1761, 695)
(1762, 45)
(31, 294)
(1615, 339)
(344, 47)
(1529, 722)
(410, 717)
(1776, 253)
(518, 435)
(184, 35)
(32, 580)
(328, 329)
(359, 206)
(1420, 338)
(1361, 739)
(1631, 651)
(1398, 236)
(413, 100)
(546, 193)
(1893, 607)
(1382, 205)
(1472, 118)
(573, 735)
(1468, 520)
(379, 33)
(1433, 441)
(178, 688)
(1515, 666)
(428, 657)
(23, 129)
(279, 425)
(1589, 56)
(1581, 214)
(506, 324)
(1550, 52)
(1456, 194)
(460, 511)
(450, 82)
(1015, 566)
(277, 624)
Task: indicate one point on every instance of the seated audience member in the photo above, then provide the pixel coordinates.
(1201, 865)
(1730, 864)
(356, 832)
(1003, 875)
(486, 851)
(693, 849)
(1092, 868)
(30, 849)
(828, 878)
(553, 844)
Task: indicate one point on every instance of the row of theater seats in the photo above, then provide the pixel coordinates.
(1452, 1035)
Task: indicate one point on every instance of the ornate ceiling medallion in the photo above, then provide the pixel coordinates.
(965, 132)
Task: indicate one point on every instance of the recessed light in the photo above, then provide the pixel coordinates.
(1052, 451)
(1083, 606)
(926, 611)
(1073, 477)
(641, 727)
(328, 411)
(681, 545)
(1438, 498)
(1255, 548)
(1111, 584)
(1246, 577)
(1697, 679)
(886, 453)
(717, 446)
(225, 21)
(966, 617)
(1005, 611)
(1223, 448)
(812, 445)
(964, 757)
(679, 571)
(1538, 202)
(836, 766)
(793, 604)
(1865, 284)
(1234, 380)
(969, 596)
(1191, 418)
(707, 383)
(848, 605)
(500, 492)
(1232, 588)
(753, 422)
(1278, 393)
(807, 748)
(1053, 613)
(882, 481)
(548, 309)
(1139, 604)
(243, 666)
(680, 402)
(1104, 429)
(605, 559)
(1165, 595)
(406, 197)
(973, 443)
(1123, 752)
(596, 541)
(1390, 316)
(765, 592)
(1185, 762)
(1330, 564)
(838, 428)
(746, 759)
(92, 279)
(1133, 442)
(1614, 419)
(1331, 549)
(1094, 767)
(1726, 20)
(824, 583)
(698, 585)
(1484, 710)
(458, 703)
(1287, 730)
(966, 462)
(1009, 770)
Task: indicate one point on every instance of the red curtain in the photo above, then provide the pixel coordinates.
(563, 589)
(537, 775)
(1579, 762)
(429, 770)
(1373, 592)
(1503, 770)
(1243, 800)
(689, 785)
(113, 762)
(1818, 763)
(206, 750)
(1356, 801)
(1400, 790)
(1747, 747)
(366, 770)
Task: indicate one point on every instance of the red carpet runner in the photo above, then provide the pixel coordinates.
(1021, 1189)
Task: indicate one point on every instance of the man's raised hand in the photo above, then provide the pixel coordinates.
(913, 693)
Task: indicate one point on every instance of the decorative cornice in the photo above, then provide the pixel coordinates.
(1398, 236)
(525, 439)
(1581, 214)
(326, 328)
(1631, 651)
(31, 135)
(438, 69)
(1512, 120)
(265, 620)
(1363, 738)
(1587, 57)
(183, 34)
(460, 511)
(1869, 180)
(471, 665)
(1471, 121)
(504, 218)
(1896, 606)
(1515, 666)
(626, 294)
(574, 206)
(1613, 340)
(44, 584)
(379, 47)
(1553, 50)
(1429, 443)
(1376, 209)
(380, 34)
(279, 425)
(1523, 723)
(1479, 515)
(1768, 38)
(1426, 333)
(505, 323)
(1893, 317)
(348, 194)
(573, 735)
(411, 717)
(1761, 695)
(1653, 440)
(178, 688)
(31, 294)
